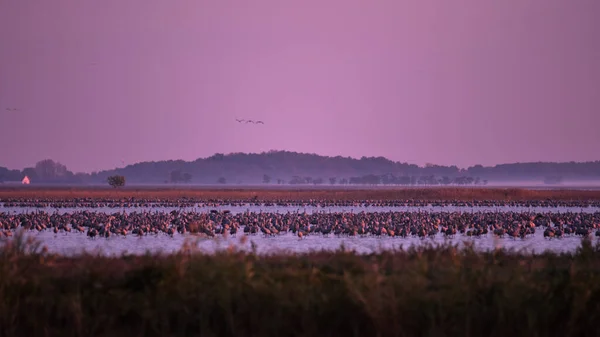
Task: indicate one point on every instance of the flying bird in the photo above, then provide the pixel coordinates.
(12, 109)
(246, 121)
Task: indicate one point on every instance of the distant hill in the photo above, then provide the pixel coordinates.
(286, 167)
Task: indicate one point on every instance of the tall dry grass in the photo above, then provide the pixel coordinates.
(427, 291)
(441, 193)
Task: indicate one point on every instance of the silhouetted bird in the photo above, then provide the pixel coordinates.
(246, 121)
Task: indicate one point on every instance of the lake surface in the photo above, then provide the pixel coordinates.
(76, 243)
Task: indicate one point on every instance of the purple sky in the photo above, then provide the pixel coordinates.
(446, 82)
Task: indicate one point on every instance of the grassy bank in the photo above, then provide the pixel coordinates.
(424, 292)
(433, 193)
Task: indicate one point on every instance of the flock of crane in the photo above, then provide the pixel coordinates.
(400, 224)
(81, 214)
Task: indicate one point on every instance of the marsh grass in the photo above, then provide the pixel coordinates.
(265, 194)
(422, 291)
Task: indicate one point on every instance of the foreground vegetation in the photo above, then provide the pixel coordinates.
(426, 291)
(434, 193)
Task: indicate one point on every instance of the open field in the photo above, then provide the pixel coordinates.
(433, 193)
(423, 292)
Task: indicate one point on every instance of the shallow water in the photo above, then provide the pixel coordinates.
(76, 243)
(308, 209)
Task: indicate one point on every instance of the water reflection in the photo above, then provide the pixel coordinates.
(76, 243)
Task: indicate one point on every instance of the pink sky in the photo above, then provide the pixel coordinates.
(447, 82)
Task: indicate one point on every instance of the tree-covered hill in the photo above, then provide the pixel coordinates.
(284, 167)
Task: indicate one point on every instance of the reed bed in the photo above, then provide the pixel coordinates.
(424, 291)
(266, 194)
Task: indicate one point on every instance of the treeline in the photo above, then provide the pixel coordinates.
(45, 171)
(383, 179)
(283, 167)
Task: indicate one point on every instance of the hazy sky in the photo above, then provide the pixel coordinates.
(447, 82)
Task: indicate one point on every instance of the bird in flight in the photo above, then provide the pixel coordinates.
(12, 109)
(246, 121)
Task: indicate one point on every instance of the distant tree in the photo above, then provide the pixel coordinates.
(458, 181)
(279, 181)
(116, 181)
(344, 181)
(186, 177)
(318, 181)
(296, 180)
(222, 180)
(332, 180)
(45, 169)
(48, 170)
(266, 179)
(464, 180)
